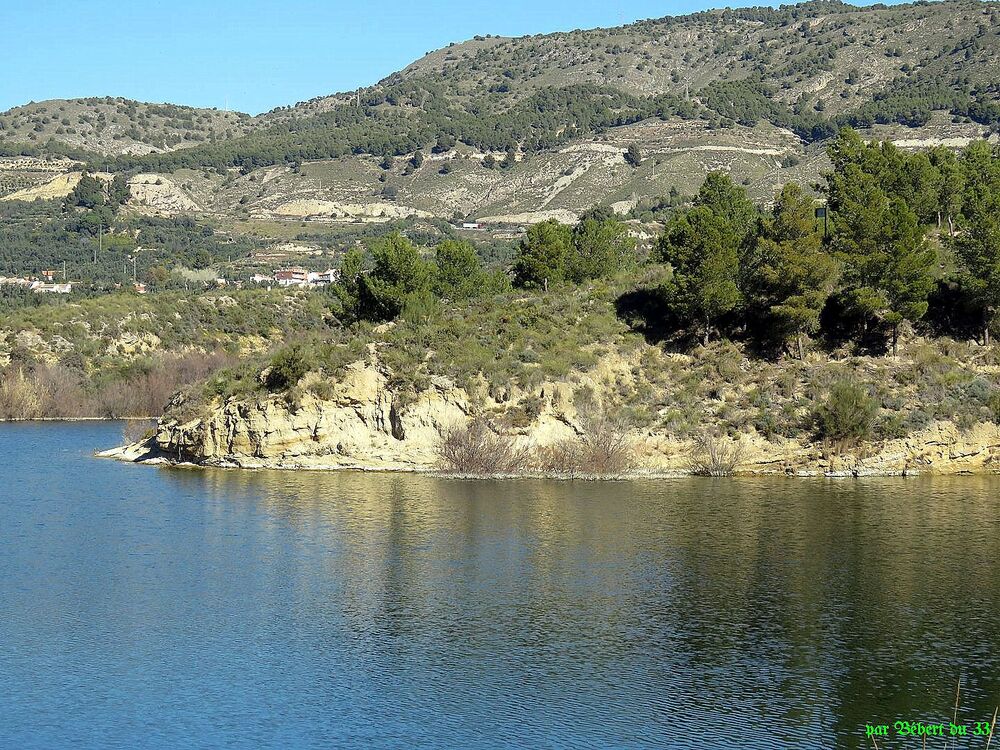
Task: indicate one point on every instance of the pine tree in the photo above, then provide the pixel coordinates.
(347, 289)
(887, 261)
(702, 249)
(119, 191)
(709, 249)
(542, 254)
(459, 270)
(601, 248)
(795, 275)
(950, 187)
(978, 246)
(398, 275)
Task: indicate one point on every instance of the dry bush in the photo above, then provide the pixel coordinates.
(20, 396)
(45, 391)
(147, 392)
(121, 399)
(59, 392)
(476, 449)
(62, 392)
(713, 456)
(195, 366)
(603, 450)
(607, 451)
(564, 458)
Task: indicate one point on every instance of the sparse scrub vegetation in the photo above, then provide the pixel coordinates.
(476, 449)
(848, 414)
(713, 456)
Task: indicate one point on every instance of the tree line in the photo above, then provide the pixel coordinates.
(867, 267)
(404, 116)
(395, 278)
(900, 230)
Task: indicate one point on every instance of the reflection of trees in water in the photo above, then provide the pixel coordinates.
(813, 606)
(837, 598)
(917, 600)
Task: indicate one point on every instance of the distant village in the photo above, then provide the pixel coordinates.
(282, 277)
(299, 277)
(47, 284)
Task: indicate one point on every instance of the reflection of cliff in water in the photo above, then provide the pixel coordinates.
(813, 606)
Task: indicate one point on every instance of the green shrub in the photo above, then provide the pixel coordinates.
(289, 366)
(847, 415)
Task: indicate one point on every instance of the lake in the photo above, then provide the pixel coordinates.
(164, 608)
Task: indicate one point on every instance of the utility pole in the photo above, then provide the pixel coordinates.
(64, 270)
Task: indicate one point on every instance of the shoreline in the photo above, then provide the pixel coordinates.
(141, 454)
(78, 419)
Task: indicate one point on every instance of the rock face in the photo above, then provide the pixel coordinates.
(363, 424)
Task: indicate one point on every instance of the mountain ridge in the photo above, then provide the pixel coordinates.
(494, 127)
(823, 58)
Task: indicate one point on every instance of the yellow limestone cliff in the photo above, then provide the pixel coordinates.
(362, 423)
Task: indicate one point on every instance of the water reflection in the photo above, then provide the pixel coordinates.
(791, 611)
(156, 609)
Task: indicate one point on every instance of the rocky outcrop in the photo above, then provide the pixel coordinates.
(362, 423)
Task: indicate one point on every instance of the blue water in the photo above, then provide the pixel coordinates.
(160, 608)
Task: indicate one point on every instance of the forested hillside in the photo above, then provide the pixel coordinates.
(511, 132)
(810, 68)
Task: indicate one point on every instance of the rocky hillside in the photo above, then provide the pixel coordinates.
(112, 126)
(366, 417)
(513, 131)
(841, 55)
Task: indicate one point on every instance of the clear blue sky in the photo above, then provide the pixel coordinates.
(259, 54)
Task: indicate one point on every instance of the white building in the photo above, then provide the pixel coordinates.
(324, 278)
(40, 287)
(15, 281)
